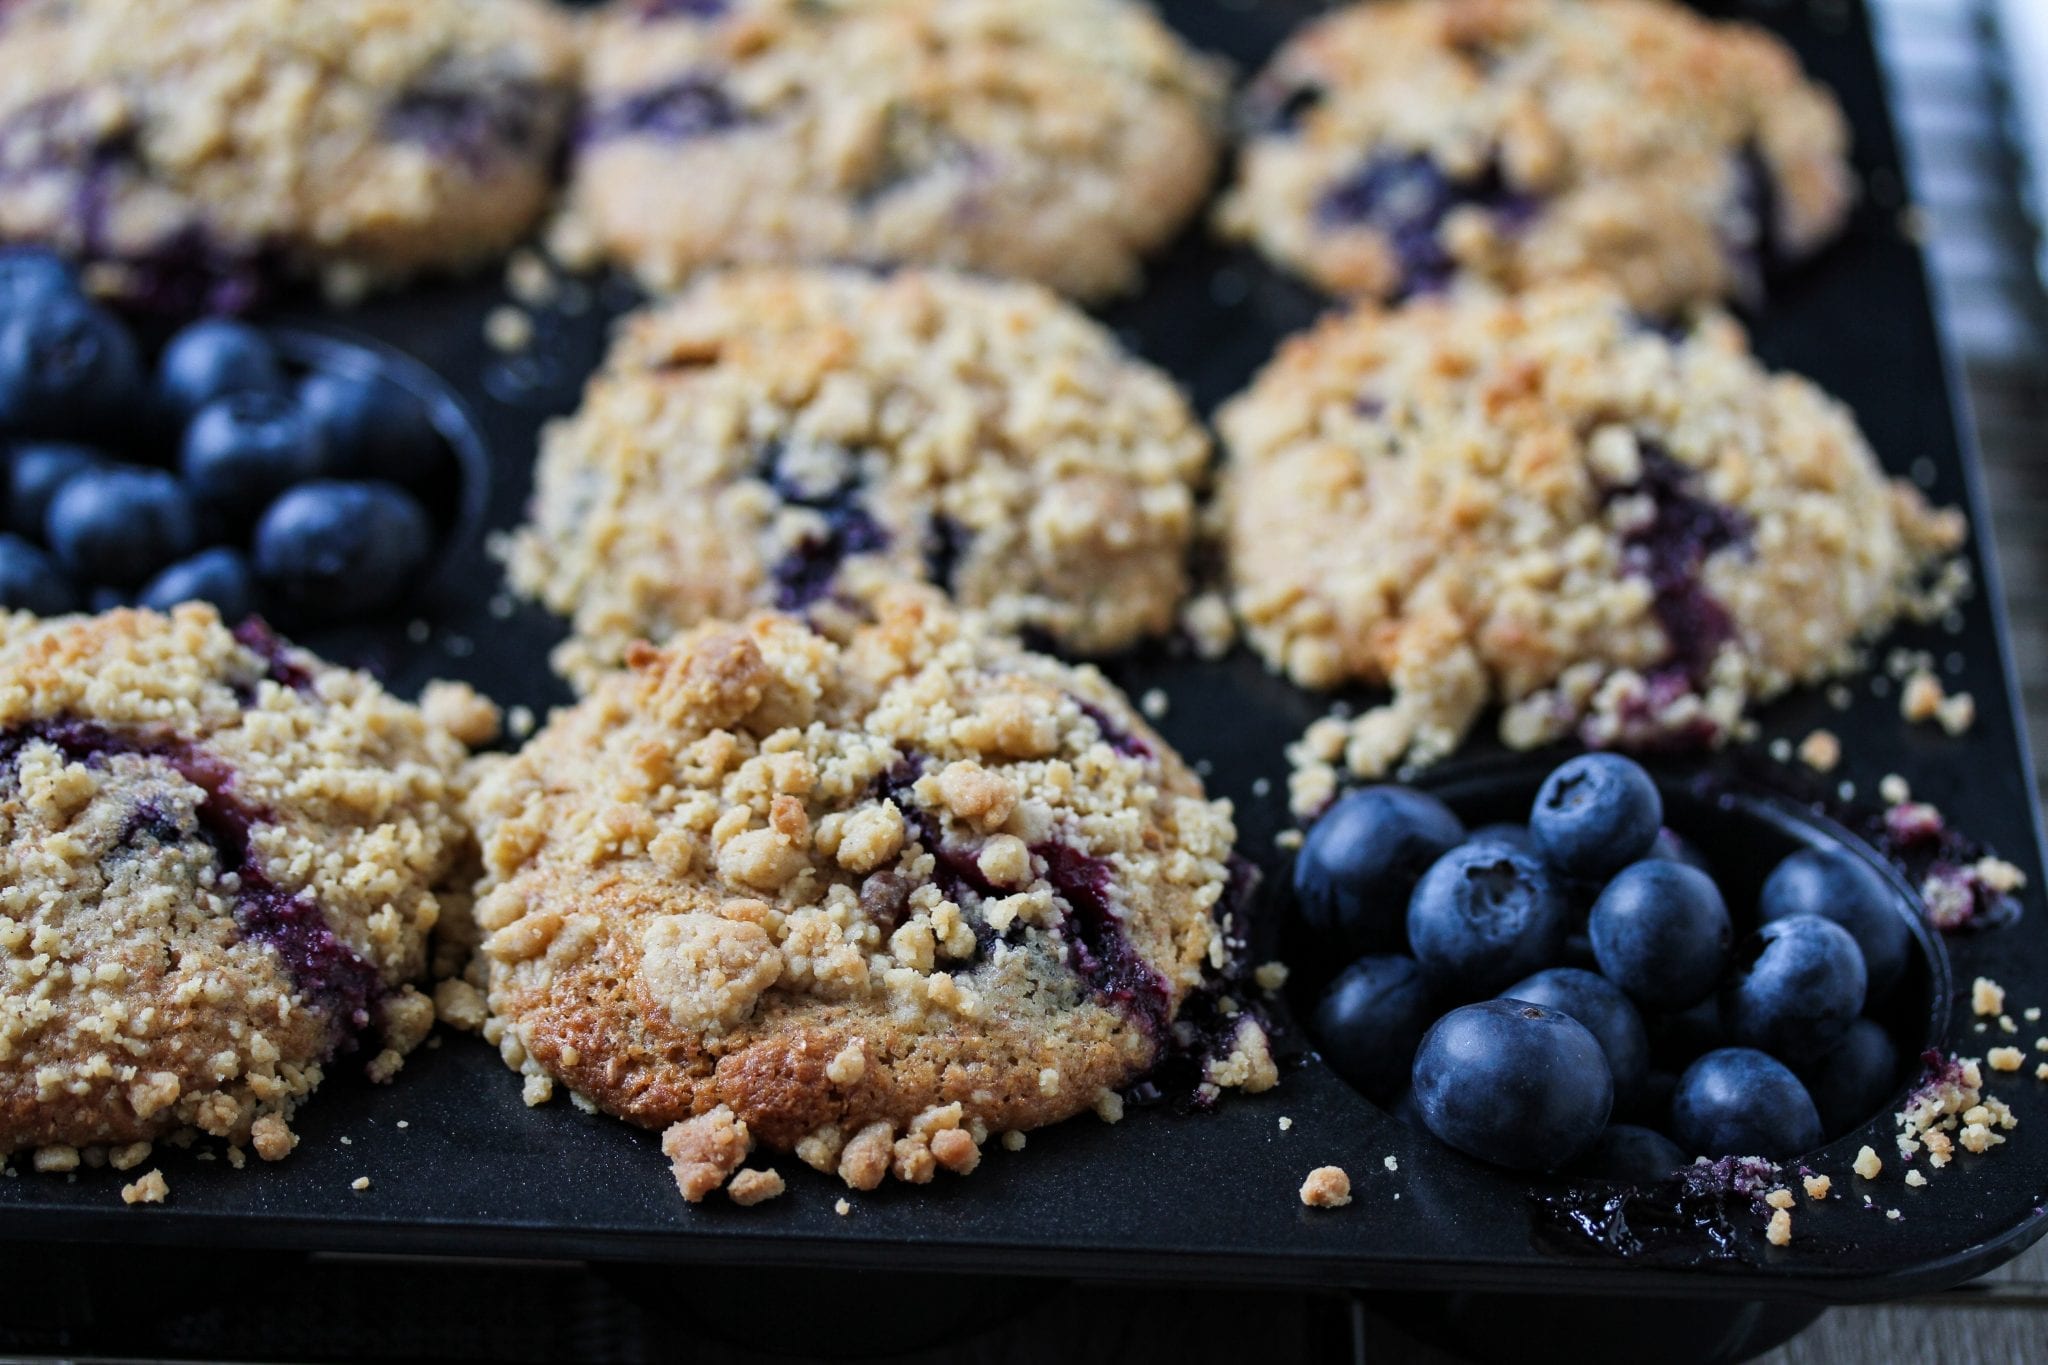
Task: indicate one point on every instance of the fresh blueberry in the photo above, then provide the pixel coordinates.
(1595, 815)
(30, 273)
(1836, 884)
(1660, 931)
(212, 358)
(35, 470)
(1852, 1080)
(333, 550)
(117, 526)
(1513, 1083)
(1361, 860)
(31, 581)
(1674, 847)
(244, 449)
(220, 576)
(1737, 1101)
(1796, 985)
(1371, 1020)
(65, 364)
(1599, 1004)
(371, 427)
(1486, 914)
(1630, 1155)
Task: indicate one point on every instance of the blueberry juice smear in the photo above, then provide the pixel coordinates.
(1671, 549)
(326, 972)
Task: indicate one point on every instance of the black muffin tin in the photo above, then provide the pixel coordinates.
(1166, 1194)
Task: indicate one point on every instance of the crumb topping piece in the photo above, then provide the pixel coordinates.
(150, 1189)
(1327, 1187)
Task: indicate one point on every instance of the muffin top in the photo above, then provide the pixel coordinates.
(841, 888)
(1395, 145)
(218, 862)
(797, 438)
(191, 149)
(1057, 141)
(1541, 502)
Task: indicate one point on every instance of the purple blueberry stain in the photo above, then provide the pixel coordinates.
(946, 543)
(1707, 1211)
(1942, 862)
(474, 120)
(255, 635)
(1671, 549)
(682, 9)
(689, 107)
(805, 573)
(1407, 196)
(1113, 734)
(1104, 956)
(326, 972)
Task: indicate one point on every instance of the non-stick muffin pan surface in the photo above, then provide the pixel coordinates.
(1166, 1193)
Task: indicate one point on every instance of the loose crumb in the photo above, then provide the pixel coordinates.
(2005, 1058)
(508, 329)
(753, 1186)
(1867, 1165)
(1390, 1163)
(1894, 790)
(1957, 714)
(704, 1150)
(1013, 1140)
(1779, 1233)
(1987, 996)
(1109, 1107)
(1287, 839)
(129, 1157)
(1817, 1187)
(2041, 1072)
(2006, 1024)
(1155, 704)
(1779, 1199)
(2031, 1014)
(1286, 1123)
(1270, 976)
(151, 1189)
(1921, 698)
(403, 1124)
(842, 1208)
(1327, 1187)
(361, 1182)
(1820, 751)
(1893, 1214)
(537, 1090)
(1915, 1179)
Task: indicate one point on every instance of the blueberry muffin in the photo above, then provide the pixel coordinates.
(1541, 502)
(870, 901)
(795, 438)
(217, 862)
(1393, 145)
(193, 150)
(1057, 141)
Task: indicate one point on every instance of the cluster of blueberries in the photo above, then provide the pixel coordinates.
(1567, 994)
(244, 485)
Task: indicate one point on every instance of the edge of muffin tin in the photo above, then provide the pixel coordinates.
(1199, 1198)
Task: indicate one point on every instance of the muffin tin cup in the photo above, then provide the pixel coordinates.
(1167, 1195)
